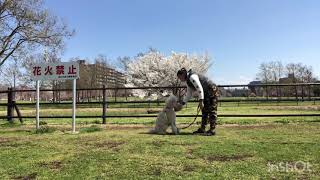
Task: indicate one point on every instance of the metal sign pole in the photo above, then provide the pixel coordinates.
(37, 105)
(74, 106)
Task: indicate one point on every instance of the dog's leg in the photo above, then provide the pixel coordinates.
(172, 118)
(174, 128)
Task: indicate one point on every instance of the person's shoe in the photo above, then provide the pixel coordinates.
(210, 133)
(199, 131)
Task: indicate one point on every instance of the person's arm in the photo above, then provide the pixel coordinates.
(196, 83)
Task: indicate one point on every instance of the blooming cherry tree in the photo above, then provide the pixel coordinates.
(154, 69)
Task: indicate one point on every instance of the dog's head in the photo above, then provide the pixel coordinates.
(171, 102)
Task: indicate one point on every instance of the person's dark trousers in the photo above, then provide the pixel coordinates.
(210, 108)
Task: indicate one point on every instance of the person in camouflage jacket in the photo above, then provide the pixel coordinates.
(208, 98)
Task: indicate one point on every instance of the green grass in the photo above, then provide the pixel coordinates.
(127, 152)
(244, 148)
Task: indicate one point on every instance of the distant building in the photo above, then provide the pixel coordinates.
(287, 80)
(99, 74)
(255, 90)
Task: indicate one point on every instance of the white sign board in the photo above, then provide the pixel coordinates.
(56, 71)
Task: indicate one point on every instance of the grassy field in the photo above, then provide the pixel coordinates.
(244, 148)
(268, 151)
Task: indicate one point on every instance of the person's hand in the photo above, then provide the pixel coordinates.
(178, 107)
(201, 105)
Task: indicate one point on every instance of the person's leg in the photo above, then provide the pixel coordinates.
(213, 121)
(204, 122)
(213, 109)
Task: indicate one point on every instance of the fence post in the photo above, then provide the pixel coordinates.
(125, 93)
(302, 92)
(267, 91)
(104, 105)
(115, 94)
(296, 89)
(10, 105)
(309, 93)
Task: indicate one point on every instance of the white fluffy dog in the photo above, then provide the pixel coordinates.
(167, 117)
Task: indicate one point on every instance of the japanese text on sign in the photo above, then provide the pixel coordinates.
(62, 70)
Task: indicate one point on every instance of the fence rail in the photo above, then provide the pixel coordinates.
(153, 116)
(169, 87)
(105, 100)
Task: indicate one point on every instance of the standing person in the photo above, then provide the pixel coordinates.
(208, 98)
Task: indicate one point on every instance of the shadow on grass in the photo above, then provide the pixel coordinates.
(170, 134)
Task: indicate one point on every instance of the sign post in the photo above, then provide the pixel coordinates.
(74, 106)
(57, 71)
(37, 106)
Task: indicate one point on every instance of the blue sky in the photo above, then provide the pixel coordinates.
(238, 34)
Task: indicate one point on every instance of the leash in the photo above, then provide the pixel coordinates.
(198, 111)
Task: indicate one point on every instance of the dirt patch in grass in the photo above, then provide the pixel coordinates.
(190, 154)
(190, 151)
(189, 168)
(156, 172)
(88, 140)
(158, 143)
(228, 158)
(294, 108)
(54, 165)
(93, 141)
(4, 140)
(126, 127)
(296, 143)
(11, 142)
(26, 177)
(182, 144)
(264, 126)
(114, 145)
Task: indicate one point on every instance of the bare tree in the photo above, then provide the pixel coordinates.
(277, 70)
(26, 25)
(308, 76)
(292, 69)
(264, 73)
(11, 74)
(123, 62)
(270, 72)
